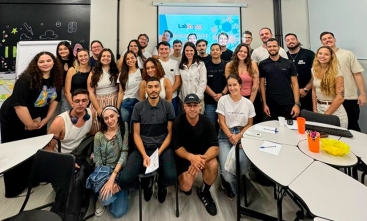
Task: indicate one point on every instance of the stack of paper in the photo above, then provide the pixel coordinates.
(270, 147)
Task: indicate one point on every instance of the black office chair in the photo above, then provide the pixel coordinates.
(320, 118)
(55, 168)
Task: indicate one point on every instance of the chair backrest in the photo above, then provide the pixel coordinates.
(320, 118)
(55, 168)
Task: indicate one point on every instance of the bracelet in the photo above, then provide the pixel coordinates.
(115, 172)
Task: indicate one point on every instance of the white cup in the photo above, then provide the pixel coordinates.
(281, 121)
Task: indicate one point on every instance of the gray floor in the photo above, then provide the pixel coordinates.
(191, 208)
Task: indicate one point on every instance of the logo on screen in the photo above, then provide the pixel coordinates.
(189, 26)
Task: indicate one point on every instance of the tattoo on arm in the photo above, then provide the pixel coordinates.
(254, 90)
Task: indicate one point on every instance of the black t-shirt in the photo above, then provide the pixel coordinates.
(205, 59)
(216, 79)
(37, 101)
(79, 81)
(226, 55)
(69, 65)
(195, 139)
(92, 62)
(278, 80)
(303, 61)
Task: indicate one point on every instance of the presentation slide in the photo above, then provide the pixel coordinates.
(206, 24)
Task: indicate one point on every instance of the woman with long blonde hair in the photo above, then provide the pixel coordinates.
(328, 85)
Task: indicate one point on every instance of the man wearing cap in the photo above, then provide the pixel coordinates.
(152, 130)
(196, 145)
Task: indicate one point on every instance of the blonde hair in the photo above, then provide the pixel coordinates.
(328, 79)
(76, 61)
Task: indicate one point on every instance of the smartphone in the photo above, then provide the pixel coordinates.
(290, 122)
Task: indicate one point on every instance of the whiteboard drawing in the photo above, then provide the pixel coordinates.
(76, 48)
(58, 24)
(3, 40)
(29, 28)
(14, 31)
(72, 27)
(41, 24)
(24, 37)
(49, 34)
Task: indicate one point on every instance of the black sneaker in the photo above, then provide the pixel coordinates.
(161, 194)
(230, 194)
(208, 201)
(148, 192)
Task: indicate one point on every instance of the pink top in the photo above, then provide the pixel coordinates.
(246, 84)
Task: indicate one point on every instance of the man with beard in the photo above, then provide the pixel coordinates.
(152, 130)
(281, 97)
(192, 38)
(247, 39)
(302, 59)
(196, 146)
(201, 46)
(223, 40)
(353, 80)
(166, 37)
(261, 53)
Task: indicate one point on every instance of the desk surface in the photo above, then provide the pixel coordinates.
(347, 160)
(320, 219)
(283, 168)
(330, 193)
(356, 143)
(13, 153)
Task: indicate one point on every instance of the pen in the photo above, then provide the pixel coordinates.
(267, 146)
(275, 130)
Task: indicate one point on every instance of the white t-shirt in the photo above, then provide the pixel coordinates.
(236, 113)
(104, 85)
(194, 80)
(171, 70)
(349, 65)
(259, 54)
(175, 58)
(132, 85)
(317, 82)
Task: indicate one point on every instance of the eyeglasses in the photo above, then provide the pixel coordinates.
(77, 101)
(143, 39)
(190, 106)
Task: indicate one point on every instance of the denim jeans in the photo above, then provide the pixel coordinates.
(64, 105)
(117, 203)
(126, 109)
(212, 115)
(175, 102)
(224, 148)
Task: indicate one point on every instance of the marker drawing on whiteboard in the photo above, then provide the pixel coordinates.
(3, 40)
(58, 24)
(49, 34)
(29, 28)
(24, 37)
(72, 27)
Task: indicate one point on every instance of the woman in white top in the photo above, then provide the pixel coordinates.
(328, 85)
(193, 74)
(153, 68)
(129, 81)
(102, 84)
(235, 114)
(134, 46)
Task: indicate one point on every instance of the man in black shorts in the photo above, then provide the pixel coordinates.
(195, 142)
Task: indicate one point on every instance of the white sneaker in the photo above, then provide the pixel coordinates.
(24, 193)
(99, 209)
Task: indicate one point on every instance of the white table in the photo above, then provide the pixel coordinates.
(331, 194)
(13, 153)
(347, 160)
(320, 219)
(357, 143)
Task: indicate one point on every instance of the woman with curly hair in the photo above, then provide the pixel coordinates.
(328, 85)
(242, 65)
(153, 68)
(135, 47)
(102, 84)
(26, 112)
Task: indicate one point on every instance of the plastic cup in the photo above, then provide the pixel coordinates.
(314, 143)
(301, 122)
(281, 121)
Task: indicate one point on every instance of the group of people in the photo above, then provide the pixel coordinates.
(190, 105)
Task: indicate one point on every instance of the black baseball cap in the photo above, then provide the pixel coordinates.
(192, 98)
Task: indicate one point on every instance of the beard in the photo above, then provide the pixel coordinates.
(294, 47)
(143, 47)
(274, 53)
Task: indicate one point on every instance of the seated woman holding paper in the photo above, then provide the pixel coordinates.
(235, 114)
(110, 155)
(328, 85)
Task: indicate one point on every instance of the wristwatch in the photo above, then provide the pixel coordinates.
(298, 104)
(305, 89)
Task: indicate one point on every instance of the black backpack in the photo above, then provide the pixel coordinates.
(73, 206)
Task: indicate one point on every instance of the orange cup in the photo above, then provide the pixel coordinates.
(301, 122)
(314, 143)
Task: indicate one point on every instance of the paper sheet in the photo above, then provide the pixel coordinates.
(294, 126)
(266, 129)
(270, 149)
(154, 162)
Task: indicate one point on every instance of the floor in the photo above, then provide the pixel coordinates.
(191, 208)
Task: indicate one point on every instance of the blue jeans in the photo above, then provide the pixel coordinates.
(224, 148)
(210, 112)
(64, 105)
(117, 203)
(126, 109)
(175, 102)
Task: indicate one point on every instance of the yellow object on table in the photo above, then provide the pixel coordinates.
(334, 147)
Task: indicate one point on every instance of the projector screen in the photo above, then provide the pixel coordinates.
(205, 22)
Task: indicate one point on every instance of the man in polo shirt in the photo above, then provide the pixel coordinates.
(152, 128)
(196, 145)
(303, 59)
(201, 46)
(281, 97)
(353, 80)
(261, 53)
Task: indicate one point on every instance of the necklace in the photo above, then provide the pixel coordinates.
(293, 58)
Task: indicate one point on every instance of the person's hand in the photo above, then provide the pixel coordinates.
(146, 161)
(42, 123)
(77, 166)
(217, 97)
(107, 189)
(193, 171)
(295, 111)
(33, 126)
(234, 138)
(266, 110)
(302, 92)
(362, 100)
(99, 111)
(116, 188)
(197, 161)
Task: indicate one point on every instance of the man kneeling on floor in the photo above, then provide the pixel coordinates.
(196, 145)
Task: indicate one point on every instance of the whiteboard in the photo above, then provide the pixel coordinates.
(346, 19)
(26, 50)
